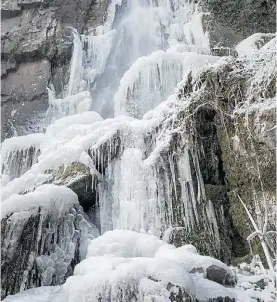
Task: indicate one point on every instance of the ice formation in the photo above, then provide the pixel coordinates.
(250, 45)
(143, 161)
(72, 104)
(49, 229)
(128, 266)
(19, 153)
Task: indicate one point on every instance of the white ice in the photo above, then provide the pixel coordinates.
(46, 197)
(250, 45)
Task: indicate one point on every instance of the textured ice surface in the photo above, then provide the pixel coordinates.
(19, 153)
(250, 45)
(40, 294)
(45, 197)
(122, 266)
(69, 105)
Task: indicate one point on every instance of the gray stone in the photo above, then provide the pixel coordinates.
(219, 275)
(21, 118)
(243, 18)
(27, 83)
(77, 177)
(222, 299)
(9, 9)
(38, 31)
(29, 3)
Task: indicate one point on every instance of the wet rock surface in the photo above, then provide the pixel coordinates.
(78, 178)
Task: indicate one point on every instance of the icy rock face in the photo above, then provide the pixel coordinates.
(246, 135)
(36, 48)
(49, 230)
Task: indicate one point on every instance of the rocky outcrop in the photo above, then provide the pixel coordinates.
(232, 21)
(36, 43)
(234, 118)
(78, 178)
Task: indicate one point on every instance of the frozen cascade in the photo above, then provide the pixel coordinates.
(70, 105)
(149, 80)
(144, 164)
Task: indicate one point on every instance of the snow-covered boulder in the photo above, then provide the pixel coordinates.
(111, 278)
(125, 243)
(206, 266)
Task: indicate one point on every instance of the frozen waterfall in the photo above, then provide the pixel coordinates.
(118, 118)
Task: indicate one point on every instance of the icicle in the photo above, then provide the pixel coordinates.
(76, 66)
(19, 153)
(69, 105)
(149, 81)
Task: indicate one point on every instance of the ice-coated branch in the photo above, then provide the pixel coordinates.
(261, 236)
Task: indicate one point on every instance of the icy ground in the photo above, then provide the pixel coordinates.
(123, 265)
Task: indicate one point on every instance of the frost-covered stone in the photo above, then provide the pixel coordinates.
(125, 279)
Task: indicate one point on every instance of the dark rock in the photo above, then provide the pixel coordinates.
(243, 18)
(224, 51)
(219, 275)
(29, 3)
(261, 284)
(222, 299)
(77, 177)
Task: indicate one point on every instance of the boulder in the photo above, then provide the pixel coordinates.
(219, 275)
(78, 178)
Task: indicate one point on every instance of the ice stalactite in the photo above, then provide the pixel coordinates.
(18, 154)
(148, 82)
(157, 187)
(76, 66)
